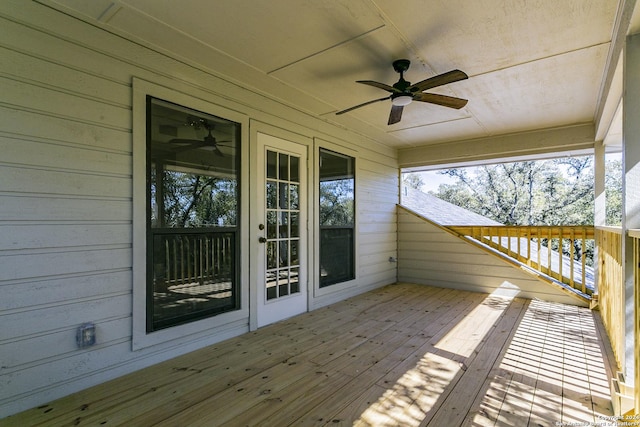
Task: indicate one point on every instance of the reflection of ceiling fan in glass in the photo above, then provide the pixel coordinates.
(209, 141)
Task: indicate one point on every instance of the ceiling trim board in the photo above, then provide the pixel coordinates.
(335, 46)
(572, 138)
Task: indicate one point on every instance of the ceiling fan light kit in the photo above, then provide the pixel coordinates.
(402, 100)
(404, 93)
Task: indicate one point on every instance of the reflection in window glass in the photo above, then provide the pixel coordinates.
(337, 218)
(192, 205)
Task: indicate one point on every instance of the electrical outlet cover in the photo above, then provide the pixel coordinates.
(86, 335)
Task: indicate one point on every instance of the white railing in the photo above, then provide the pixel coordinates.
(561, 252)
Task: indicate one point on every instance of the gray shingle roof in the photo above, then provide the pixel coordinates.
(439, 211)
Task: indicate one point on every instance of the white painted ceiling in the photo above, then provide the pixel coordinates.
(532, 64)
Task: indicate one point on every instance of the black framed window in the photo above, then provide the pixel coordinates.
(337, 218)
(193, 198)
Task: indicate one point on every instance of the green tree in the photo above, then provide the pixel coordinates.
(613, 192)
(413, 180)
(336, 202)
(195, 200)
(551, 192)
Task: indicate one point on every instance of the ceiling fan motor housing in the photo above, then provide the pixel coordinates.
(401, 65)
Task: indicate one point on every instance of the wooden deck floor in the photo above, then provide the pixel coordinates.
(403, 355)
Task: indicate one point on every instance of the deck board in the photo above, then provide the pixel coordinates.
(404, 354)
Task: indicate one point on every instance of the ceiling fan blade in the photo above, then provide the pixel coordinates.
(217, 151)
(396, 114)
(185, 141)
(362, 105)
(446, 101)
(439, 80)
(192, 146)
(379, 85)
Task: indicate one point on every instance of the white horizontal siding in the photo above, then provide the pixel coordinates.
(67, 208)
(37, 264)
(40, 236)
(377, 194)
(66, 199)
(431, 256)
(54, 290)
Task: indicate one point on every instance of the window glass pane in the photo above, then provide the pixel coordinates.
(192, 213)
(336, 218)
(336, 255)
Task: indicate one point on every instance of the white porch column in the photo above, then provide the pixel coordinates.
(631, 186)
(600, 214)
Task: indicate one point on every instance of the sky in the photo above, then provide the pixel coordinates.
(433, 179)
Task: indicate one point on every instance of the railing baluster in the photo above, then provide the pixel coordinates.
(560, 254)
(175, 260)
(549, 250)
(583, 259)
(572, 257)
(539, 239)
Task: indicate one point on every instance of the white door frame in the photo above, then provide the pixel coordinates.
(262, 135)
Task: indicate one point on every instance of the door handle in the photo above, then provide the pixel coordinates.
(262, 239)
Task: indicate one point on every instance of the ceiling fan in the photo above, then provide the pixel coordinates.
(403, 92)
(209, 141)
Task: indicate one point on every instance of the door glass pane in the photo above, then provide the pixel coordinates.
(283, 225)
(295, 224)
(294, 283)
(272, 284)
(283, 167)
(272, 194)
(272, 225)
(295, 169)
(282, 212)
(272, 254)
(283, 283)
(293, 196)
(283, 195)
(294, 252)
(283, 253)
(272, 164)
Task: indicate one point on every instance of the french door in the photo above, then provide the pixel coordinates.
(280, 222)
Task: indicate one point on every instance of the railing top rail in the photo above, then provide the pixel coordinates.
(634, 232)
(610, 228)
(518, 230)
